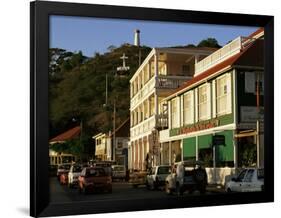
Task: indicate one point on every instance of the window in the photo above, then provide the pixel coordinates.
(188, 108)
(202, 103)
(252, 81)
(186, 70)
(249, 176)
(174, 113)
(223, 97)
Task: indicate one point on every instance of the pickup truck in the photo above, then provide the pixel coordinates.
(248, 180)
(157, 175)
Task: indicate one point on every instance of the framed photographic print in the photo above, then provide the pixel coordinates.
(141, 109)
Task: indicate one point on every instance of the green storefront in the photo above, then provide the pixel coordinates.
(224, 153)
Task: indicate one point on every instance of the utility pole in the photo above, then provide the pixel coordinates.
(114, 127)
(258, 120)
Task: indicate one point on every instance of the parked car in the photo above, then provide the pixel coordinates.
(137, 178)
(94, 179)
(248, 180)
(186, 176)
(118, 172)
(157, 175)
(63, 169)
(74, 173)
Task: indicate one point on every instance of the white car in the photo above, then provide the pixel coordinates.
(187, 176)
(248, 180)
(74, 173)
(156, 177)
(118, 172)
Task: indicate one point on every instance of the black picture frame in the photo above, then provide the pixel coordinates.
(39, 45)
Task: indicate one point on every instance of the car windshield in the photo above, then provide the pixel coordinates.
(164, 170)
(77, 169)
(95, 172)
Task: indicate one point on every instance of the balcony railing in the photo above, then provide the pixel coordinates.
(162, 82)
(170, 82)
(162, 121)
(234, 47)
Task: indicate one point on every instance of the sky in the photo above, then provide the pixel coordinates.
(91, 35)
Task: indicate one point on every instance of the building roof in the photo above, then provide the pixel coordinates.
(256, 33)
(69, 134)
(174, 50)
(246, 57)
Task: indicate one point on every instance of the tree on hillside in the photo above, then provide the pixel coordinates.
(209, 42)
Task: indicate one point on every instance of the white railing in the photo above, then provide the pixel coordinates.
(143, 127)
(142, 94)
(170, 82)
(226, 51)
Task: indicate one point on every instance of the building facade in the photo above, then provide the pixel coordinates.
(163, 70)
(225, 99)
(103, 150)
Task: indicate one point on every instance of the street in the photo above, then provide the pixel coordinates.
(121, 191)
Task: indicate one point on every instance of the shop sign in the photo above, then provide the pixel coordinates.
(194, 128)
(218, 140)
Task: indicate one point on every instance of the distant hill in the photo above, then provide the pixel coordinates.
(77, 88)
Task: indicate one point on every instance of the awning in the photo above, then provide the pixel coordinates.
(246, 133)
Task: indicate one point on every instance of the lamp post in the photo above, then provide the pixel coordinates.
(81, 131)
(258, 119)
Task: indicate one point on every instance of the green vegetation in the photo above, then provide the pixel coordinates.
(77, 87)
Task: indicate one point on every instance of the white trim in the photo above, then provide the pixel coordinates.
(214, 99)
(198, 83)
(235, 94)
(231, 126)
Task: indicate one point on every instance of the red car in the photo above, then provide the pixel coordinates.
(94, 179)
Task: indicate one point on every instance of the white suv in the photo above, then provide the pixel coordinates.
(157, 175)
(74, 173)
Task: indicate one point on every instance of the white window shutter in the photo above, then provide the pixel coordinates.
(208, 100)
(214, 100)
(196, 104)
(192, 106)
(229, 93)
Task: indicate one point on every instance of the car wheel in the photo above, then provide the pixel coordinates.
(110, 190)
(199, 175)
(84, 190)
(147, 186)
(202, 190)
(228, 190)
(167, 189)
(154, 186)
(179, 190)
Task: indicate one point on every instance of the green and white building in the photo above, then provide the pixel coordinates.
(225, 98)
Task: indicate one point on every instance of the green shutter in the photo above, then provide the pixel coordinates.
(205, 141)
(189, 147)
(225, 153)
